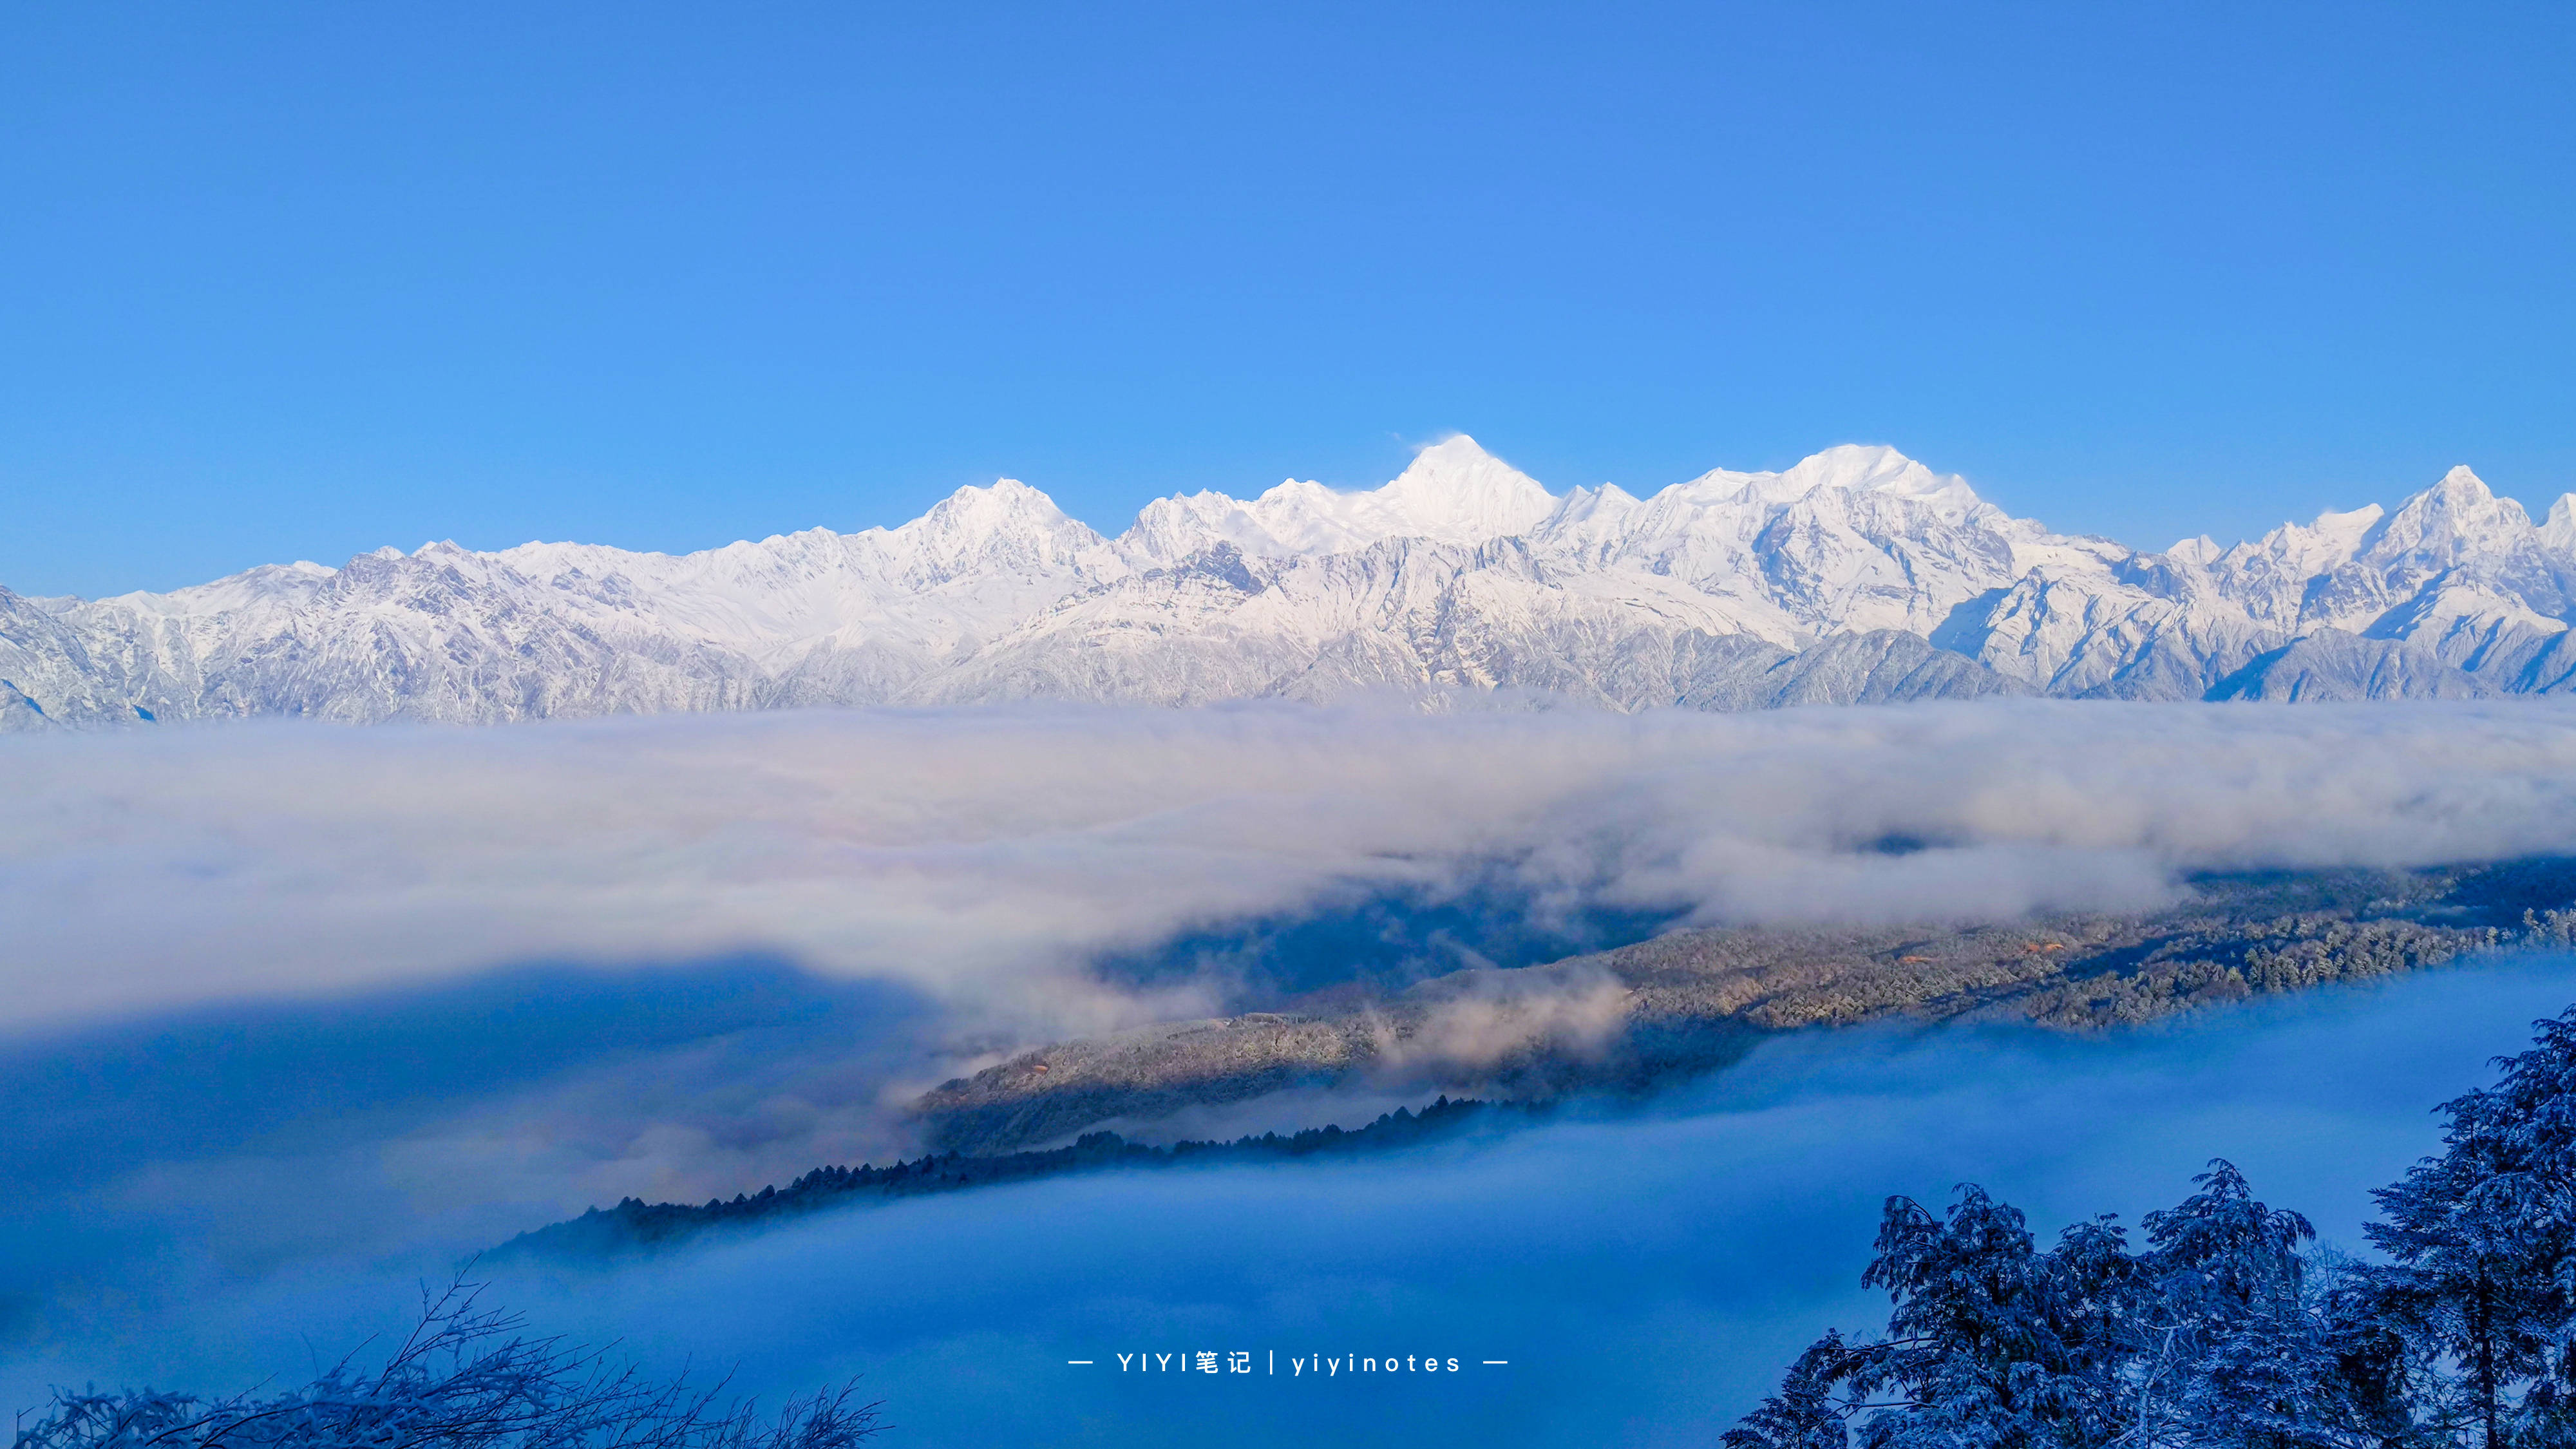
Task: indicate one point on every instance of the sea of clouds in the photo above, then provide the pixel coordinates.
(291, 1012)
(987, 859)
(688, 955)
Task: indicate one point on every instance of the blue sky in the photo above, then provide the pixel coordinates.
(296, 281)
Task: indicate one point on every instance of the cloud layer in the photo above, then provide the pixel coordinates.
(987, 859)
(288, 1014)
(553, 965)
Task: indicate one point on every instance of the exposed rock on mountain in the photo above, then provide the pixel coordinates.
(1857, 576)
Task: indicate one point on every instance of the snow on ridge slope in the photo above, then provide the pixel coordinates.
(1855, 574)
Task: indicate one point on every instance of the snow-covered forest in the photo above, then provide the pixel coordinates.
(2229, 1325)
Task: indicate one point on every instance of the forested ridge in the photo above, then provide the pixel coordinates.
(2226, 1324)
(636, 1223)
(1695, 1001)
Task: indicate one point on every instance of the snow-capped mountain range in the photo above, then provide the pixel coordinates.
(1859, 575)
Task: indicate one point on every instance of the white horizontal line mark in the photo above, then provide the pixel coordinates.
(1497, 1360)
(1083, 1361)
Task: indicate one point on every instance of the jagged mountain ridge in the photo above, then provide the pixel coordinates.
(1858, 575)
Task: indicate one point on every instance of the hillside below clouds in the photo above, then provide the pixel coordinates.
(1857, 576)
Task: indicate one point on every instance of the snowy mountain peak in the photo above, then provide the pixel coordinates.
(1455, 490)
(1168, 530)
(2558, 532)
(2305, 550)
(1001, 503)
(1847, 468)
(2200, 550)
(1604, 504)
(1005, 525)
(1867, 468)
(2457, 514)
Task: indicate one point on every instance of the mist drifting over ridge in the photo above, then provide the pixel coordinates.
(687, 955)
(986, 858)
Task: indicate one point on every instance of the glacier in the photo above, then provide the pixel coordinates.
(1857, 576)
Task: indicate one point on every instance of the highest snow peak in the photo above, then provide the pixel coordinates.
(1857, 575)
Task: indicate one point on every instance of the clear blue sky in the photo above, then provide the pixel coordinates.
(294, 281)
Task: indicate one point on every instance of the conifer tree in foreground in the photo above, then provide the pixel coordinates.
(2228, 1328)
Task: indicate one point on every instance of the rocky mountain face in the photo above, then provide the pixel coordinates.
(1857, 576)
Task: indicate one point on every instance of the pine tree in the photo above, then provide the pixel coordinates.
(1991, 1344)
(2229, 1331)
(2483, 1243)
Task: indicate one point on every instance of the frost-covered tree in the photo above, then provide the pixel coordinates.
(2482, 1240)
(2243, 1345)
(2214, 1335)
(466, 1378)
(2228, 1330)
(1989, 1343)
